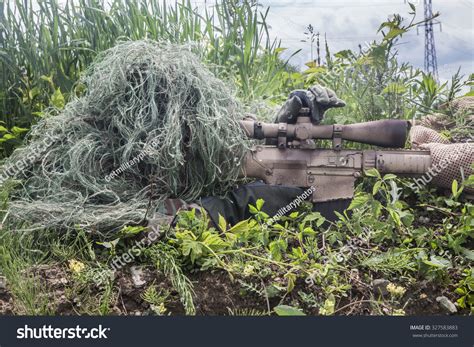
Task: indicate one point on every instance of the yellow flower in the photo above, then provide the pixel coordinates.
(160, 309)
(398, 312)
(76, 266)
(248, 270)
(396, 290)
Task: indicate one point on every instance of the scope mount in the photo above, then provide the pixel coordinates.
(302, 132)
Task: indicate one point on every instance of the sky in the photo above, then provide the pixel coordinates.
(350, 23)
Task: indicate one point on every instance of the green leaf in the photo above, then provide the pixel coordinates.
(48, 79)
(469, 254)
(17, 130)
(129, 231)
(275, 248)
(57, 99)
(34, 92)
(455, 189)
(329, 306)
(359, 200)
(259, 204)
(314, 216)
(389, 177)
(293, 215)
(222, 223)
(376, 187)
(240, 227)
(273, 291)
(308, 231)
(394, 32)
(109, 244)
(212, 240)
(396, 217)
(285, 310)
(372, 173)
(9, 137)
(291, 277)
(311, 64)
(395, 88)
(407, 218)
(345, 54)
(193, 249)
(461, 302)
(252, 209)
(438, 262)
(314, 70)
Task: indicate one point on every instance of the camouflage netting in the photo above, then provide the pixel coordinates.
(453, 160)
(458, 119)
(464, 104)
(153, 123)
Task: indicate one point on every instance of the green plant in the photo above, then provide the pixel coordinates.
(17, 265)
(465, 290)
(198, 244)
(285, 310)
(156, 299)
(382, 209)
(166, 259)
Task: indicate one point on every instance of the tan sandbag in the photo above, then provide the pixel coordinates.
(437, 121)
(450, 161)
(421, 134)
(464, 104)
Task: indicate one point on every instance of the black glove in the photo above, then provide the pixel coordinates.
(317, 98)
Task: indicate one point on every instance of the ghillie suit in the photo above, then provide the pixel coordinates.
(153, 123)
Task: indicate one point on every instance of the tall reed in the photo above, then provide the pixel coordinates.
(45, 45)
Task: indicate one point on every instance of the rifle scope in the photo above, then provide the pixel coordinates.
(390, 133)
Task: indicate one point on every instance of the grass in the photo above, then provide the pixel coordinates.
(421, 243)
(298, 262)
(25, 288)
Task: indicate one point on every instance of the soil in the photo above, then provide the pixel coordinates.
(6, 302)
(216, 293)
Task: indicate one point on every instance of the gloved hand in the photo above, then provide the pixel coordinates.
(317, 98)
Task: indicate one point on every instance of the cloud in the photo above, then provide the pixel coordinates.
(350, 23)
